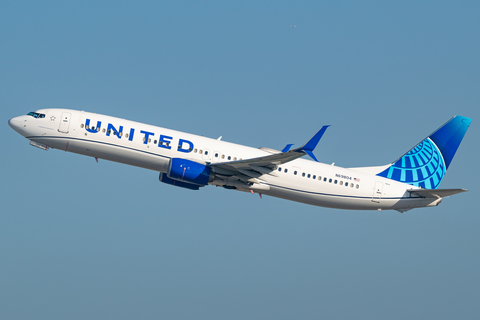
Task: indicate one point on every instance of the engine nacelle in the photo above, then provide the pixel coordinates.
(189, 171)
(163, 178)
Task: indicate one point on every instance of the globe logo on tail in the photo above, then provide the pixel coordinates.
(423, 166)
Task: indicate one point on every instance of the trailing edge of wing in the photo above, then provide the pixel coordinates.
(270, 161)
(436, 193)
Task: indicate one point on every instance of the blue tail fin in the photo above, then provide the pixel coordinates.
(425, 165)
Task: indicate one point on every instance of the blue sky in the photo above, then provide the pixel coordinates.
(80, 239)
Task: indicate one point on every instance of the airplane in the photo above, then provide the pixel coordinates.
(191, 161)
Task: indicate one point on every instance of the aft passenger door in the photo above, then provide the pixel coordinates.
(65, 122)
(377, 191)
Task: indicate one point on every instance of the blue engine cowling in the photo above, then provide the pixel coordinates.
(189, 171)
(163, 178)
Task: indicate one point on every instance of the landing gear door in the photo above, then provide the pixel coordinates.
(65, 122)
(377, 192)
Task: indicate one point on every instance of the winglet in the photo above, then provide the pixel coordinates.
(310, 153)
(287, 147)
(312, 143)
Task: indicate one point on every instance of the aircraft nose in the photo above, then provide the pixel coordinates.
(15, 123)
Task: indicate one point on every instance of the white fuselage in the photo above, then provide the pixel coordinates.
(152, 148)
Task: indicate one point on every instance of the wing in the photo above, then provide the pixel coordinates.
(256, 167)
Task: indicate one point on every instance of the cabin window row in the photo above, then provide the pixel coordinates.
(223, 157)
(325, 179)
(162, 143)
(120, 134)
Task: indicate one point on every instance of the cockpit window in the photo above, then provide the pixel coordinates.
(36, 115)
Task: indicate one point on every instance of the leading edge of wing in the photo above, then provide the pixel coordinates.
(270, 161)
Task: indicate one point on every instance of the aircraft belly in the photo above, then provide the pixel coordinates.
(320, 199)
(337, 201)
(116, 153)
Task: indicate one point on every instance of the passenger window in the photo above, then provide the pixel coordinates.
(346, 184)
(330, 180)
(295, 172)
(126, 134)
(104, 132)
(98, 129)
(195, 150)
(314, 177)
(341, 183)
(200, 151)
(234, 158)
(155, 141)
(216, 155)
(335, 181)
(303, 174)
(229, 158)
(286, 170)
(81, 126)
(325, 179)
(206, 152)
(279, 169)
(87, 127)
(308, 175)
(357, 186)
(223, 156)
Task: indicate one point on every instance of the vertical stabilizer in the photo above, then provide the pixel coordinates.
(425, 165)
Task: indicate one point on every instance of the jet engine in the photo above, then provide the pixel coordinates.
(187, 174)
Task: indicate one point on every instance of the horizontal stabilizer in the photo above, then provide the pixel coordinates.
(436, 193)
